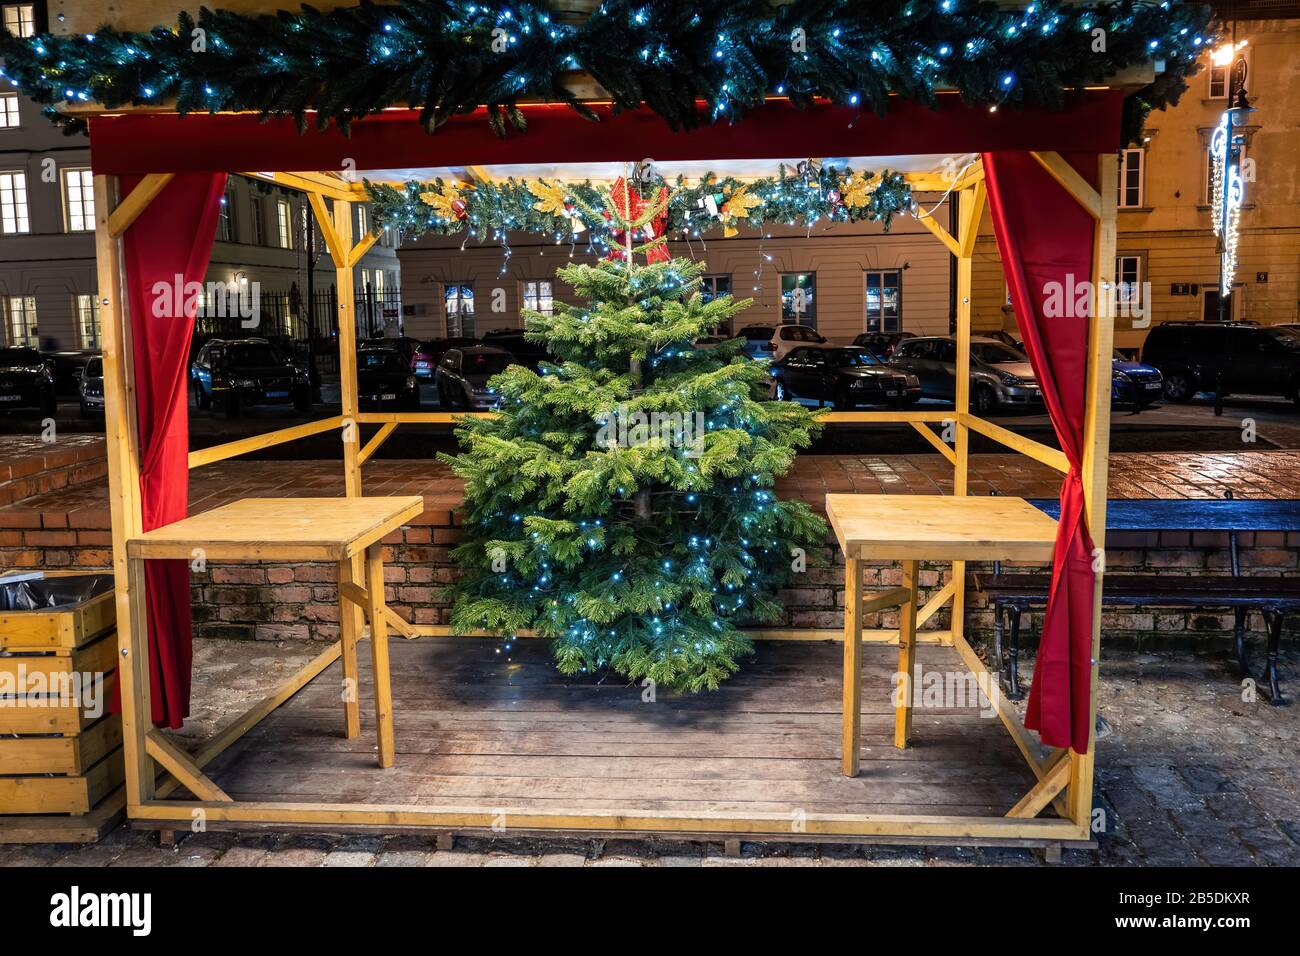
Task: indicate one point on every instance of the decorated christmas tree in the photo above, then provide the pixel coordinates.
(621, 503)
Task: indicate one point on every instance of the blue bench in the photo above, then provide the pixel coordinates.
(1273, 597)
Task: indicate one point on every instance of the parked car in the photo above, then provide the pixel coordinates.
(526, 353)
(1133, 383)
(843, 377)
(91, 388)
(67, 365)
(407, 347)
(463, 376)
(26, 380)
(774, 341)
(424, 363)
(1253, 359)
(1006, 338)
(235, 374)
(882, 343)
(384, 379)
(1000, 376)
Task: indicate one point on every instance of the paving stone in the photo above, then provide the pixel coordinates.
(458, 858)
(349, 858)
(239, 855)
(1270, 846)
(562, 859)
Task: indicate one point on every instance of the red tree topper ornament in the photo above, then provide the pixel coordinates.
(629, 202)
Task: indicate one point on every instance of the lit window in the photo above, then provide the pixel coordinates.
(884, 301)
(228, 216)
(88, 321)
(378, 284)
(459, 301)
(255, 204)
(538, 297)
(21, 313)
(713, 286)
(1132, 163)
(1128, 280)
(13, 203)
(78, 200)
(284, 222)
(8, 110)
(797, 303)
(20, 19)
(363, 222)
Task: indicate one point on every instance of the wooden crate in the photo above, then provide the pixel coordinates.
(61, 768)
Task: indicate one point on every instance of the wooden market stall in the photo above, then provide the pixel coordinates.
(966, 786)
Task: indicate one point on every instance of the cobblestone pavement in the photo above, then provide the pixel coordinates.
(1189, 773)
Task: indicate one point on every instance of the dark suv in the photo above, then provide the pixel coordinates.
(237, 373)
(1253, 359)
(26, 380)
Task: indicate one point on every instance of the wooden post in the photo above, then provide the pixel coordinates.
(969, 212)
(379, 653)
(906, 675)
(1096, 455)
(349, 631)
(347, 347)
(122, 446)
(851, 717)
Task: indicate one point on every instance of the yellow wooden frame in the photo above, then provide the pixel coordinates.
(1065, 779)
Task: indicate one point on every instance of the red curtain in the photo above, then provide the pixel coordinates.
(165, 250)
(1045, 239)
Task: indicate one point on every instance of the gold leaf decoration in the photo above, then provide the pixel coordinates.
(553, 197)
(858, 189)
(441, 200)
(739, 203)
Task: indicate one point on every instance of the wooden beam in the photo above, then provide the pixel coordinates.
(1043, 792)
(121, 444)
(350, 626)
(354, 593)
(343, 284)
(940, 233)
(938, 600)
(1096, 454)
(180, 766)
(378, 439)
(869, 635)
(884, 599)
(851, 703)
(361, 248)
(905, 691)
(1071, 182)
(1026, 446)
(242, 446)
(941, 446)
(972, 211)
(400, 624)
(129, 209)
(315, 183)
(338, 253)
(379, 655)
(390, 816)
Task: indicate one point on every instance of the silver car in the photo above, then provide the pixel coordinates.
(1000, 376)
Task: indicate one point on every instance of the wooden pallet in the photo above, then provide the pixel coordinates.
(61, 769)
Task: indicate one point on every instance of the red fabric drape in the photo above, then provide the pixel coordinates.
(164, 250)
(1045, 239)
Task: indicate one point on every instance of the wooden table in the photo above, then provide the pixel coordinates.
(346, 531)
(911, 529)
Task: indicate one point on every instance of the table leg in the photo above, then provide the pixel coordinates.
(379, 650)
(851, 733)
(906, 689)
(349, 629)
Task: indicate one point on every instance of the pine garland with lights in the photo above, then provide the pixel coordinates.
(447, 57)
(573, 211)
(635, 551)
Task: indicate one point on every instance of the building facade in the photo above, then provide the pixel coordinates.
(863, 278)
(47, 243)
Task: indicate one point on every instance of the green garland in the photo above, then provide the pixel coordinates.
(804, 196)
(446, 58)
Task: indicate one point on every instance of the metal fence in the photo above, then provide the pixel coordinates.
(308, 326)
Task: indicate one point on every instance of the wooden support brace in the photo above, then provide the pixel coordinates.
(1043, 792)
(894, 597)
(940, 233)
(129, 209)
(972, 211)
(326, 223)
(941, 597)
(1071, 181)
(182, 767)
(400, 624)
(354, 593)
(941, 446)
(361, 248)
(378, 439)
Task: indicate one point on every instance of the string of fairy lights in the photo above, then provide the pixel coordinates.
(687, 62)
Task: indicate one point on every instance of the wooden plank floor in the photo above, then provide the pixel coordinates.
(475, 727)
